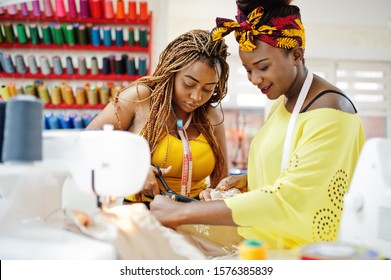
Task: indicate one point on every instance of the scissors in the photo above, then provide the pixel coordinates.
(169, 192)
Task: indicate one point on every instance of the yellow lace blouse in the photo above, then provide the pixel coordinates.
(303, 203)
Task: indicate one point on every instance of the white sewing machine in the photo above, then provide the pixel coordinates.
(366, 219)
(102, 164)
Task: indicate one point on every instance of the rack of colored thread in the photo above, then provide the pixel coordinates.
(63, 95)
(67, 121)
(102, 11)
(76, 35)
(114, 67)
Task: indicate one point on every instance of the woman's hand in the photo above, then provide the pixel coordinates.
(151, 186)
(166, 210)
(235, 181)
(205, 195)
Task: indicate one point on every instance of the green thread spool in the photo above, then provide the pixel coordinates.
(46, 34)
(131, 36)
(82, 35)
(21, 31)
(2, 39)
(70, 35)
(58, 37)
(34, 35)
(143, 37)
(9, 32)
(30, 89)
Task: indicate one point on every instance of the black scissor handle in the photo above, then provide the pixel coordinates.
(169, 192)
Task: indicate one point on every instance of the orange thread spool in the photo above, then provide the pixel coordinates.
(120, 9)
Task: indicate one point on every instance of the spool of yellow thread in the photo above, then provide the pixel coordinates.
(4, 92)
(68, 97)
(43, 93)
(104, 95)
(81, 97)
(252, 250)
(56, 96)
(12, 89)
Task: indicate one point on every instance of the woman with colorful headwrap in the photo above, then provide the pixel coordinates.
(188, 84)
(302, 160)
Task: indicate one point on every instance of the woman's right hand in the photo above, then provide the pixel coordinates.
(151, 186)
(235, 181)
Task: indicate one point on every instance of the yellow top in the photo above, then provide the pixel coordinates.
(171, 148)
(303, 203)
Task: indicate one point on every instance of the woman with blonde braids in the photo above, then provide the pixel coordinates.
(302, 160)
(188, 84)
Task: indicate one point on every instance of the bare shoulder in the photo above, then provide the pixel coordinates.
(134, 93)
(326, 95)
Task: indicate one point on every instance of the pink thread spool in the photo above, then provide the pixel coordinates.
(108, 9)
(48, 8)
(12, 10)
(60, 9)
(72, 11)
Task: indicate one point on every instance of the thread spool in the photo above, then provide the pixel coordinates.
(48, 8)
(84, 9)
(104, 95)
(36, 8)
(131, 40)
(72, 11)
(119, 68)
(94, 66)
(5, 95)
(46, 34)
(24, 10)
(107, 40)
(92, 96)
(96, 8)
(69, 65)
(34, 35)
(9, 32)
(120, 9)
(78, 122)
(30, 90)
(81, 97)
(32, 63)
(106, 66)
(43, 93)
(119, 36)
(70, 35)
(108, 8)
(12, 9)
(132, 10)
(22, 35)
(20, 65)
(131, 66)
(56, 96)
(95, 36)
(23, 130)
(19, 89)
(82, 66)
(143, 10)
(57, 65)
(58, 37)
(45, 67)
(143, 37)
(252, 250)
(142, 66)
(8, 64)
(2, 122)
(68, 96)
(60, 8)
(12, 89)
(51, 121)
(82, 35)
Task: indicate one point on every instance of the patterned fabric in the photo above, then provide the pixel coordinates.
(282, 32)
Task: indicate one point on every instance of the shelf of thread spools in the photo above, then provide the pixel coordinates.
(63, 100)
(84, 11)
(76, 37)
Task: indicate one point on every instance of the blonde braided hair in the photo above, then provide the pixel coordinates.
(195, 45)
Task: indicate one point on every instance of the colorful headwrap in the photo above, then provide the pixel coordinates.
(282, 32)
